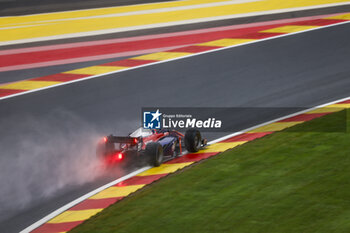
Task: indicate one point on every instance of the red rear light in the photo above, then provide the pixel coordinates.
(105, 139)
(115, 158)
(120, 156)
(135, 140)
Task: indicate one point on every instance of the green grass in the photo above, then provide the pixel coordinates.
(297, 180)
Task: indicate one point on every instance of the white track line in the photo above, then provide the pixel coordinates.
(80, 199)
(279, 119)
(167, 24)
(86, 196)
(160, 62)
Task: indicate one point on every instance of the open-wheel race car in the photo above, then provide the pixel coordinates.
(151, 146)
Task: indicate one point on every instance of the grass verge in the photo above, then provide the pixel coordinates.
(297, 180)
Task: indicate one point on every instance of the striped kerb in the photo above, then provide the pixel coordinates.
(231, 38)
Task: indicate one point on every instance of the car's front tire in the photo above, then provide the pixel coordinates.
(193, 140)
(154, 152)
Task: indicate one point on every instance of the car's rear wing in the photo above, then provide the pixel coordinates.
(127, 140)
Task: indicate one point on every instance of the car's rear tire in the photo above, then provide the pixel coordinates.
(154, 153)
(193, 140)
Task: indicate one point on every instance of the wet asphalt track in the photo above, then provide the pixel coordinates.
(302, 70)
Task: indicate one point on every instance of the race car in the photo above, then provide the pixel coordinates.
(151, 146)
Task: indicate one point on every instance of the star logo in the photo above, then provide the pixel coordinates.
(156, 115)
